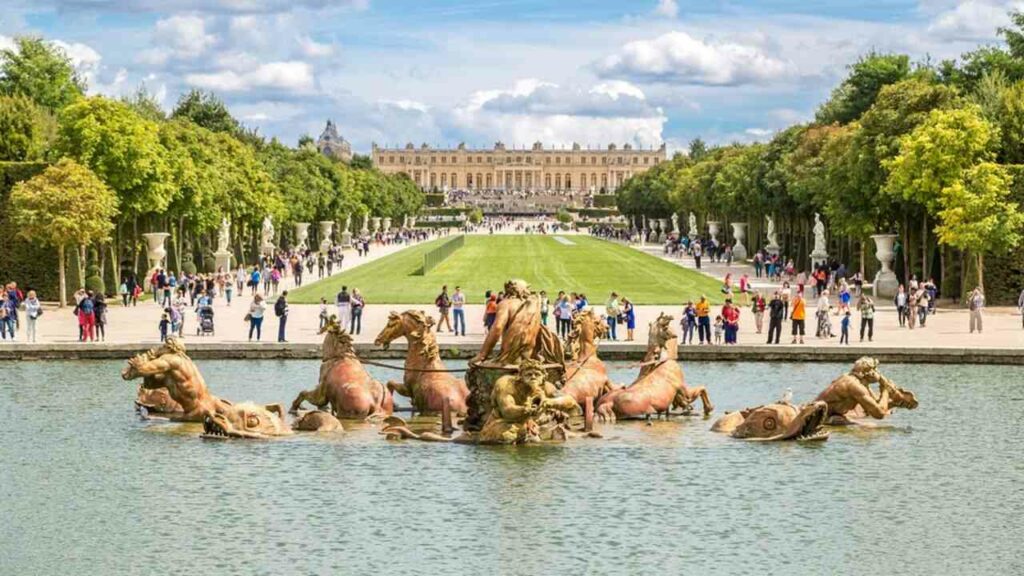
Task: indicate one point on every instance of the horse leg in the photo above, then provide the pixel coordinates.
(700, 392)
(605, 413)
(315, 397)
(399, 388)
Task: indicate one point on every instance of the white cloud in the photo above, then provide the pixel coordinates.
(533, 110)
(208, 6)
(680, 58)
(973, 19)
(759, 132)
(291, 76)
(313, 49)
(185, 36)
(667, 8)
(6, 43)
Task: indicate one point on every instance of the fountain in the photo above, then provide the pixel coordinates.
(886, 283)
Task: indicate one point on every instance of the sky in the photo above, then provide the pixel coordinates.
(443, 72)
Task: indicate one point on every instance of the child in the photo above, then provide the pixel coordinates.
(165, 324)
(323, 313)
(719, 328)
(844, 338)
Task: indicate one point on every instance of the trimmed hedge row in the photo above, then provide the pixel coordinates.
(605, 201)
(445, 211)
(439, 224)
(432, 200)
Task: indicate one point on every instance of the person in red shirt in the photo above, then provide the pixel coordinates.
(731, 319)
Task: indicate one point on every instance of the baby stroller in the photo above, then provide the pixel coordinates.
(205, 324)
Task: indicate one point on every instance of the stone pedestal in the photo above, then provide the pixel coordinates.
(739, 233)
(301, 235)
(886, 283)
(713, 228)
(819, 257)
(156, 254)
(223, 261)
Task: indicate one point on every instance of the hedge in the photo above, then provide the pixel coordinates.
(605, 201)
(432, 200)
(594, 224)
(439, 224)
(31, 265)
(445, 211)
(588, 213)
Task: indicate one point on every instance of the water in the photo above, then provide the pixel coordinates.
(88, 488)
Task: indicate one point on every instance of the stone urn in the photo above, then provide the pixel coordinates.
(326, 230)
(364, 230)
(739, 233)
(387, 224)
(713, 228)
(376, 224)
(412, 222)
(301, 235)
(155, 252)
(886, 283)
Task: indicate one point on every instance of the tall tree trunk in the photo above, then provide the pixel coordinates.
(906, 250)
(981, 271)
(925, 269)
(81, 265)
(135, 246)
(63, 289)
(862, 271)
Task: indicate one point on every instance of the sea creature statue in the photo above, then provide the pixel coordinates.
(247, 420)
(850, 399)
(156, 401)
(317, 421)
(525, 408)
(586, 373)
(427, 381)
(660, 387)
(344, 383)
(778, 421)
(168, 366)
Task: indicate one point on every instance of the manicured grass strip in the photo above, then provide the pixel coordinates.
(592, 266)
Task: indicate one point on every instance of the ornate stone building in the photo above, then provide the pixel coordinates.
(540, 169)
(333, 145)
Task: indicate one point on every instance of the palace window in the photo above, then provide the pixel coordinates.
(455, 180)
(444, 179)
(444, 159)
(547, 181)
(568, 181)
(593, 180)
(489, 181)
(479, 180)
(558, 181)
(433, 180)
(635, 160)
(558, 160)
(604, 180)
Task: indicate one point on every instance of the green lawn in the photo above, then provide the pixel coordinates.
(592, 266)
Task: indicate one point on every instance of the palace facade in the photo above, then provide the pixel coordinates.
(535, 169)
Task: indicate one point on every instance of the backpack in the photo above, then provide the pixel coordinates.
(279, 307)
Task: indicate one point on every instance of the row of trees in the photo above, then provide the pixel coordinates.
(927, 151)
(180, 173)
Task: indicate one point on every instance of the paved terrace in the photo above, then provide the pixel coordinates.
(132, 328)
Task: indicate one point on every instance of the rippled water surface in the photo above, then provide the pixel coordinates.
(88, 488)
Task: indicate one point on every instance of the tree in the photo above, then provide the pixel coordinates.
(361, 162)
(26, 130)
(122, 148)
(977, 216)
(698, 149)
(41, 71)
(938, 153)
(207, 110)
(65, 205)
(857, 93)
(145, 105)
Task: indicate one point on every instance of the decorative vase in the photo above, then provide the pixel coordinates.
(886, 282)
(739, 233)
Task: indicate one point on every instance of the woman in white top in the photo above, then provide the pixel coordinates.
(256, 310)
(33, 309)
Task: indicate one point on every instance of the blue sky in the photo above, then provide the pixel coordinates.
(450, 71)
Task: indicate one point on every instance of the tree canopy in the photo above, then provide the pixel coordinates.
(40, 71)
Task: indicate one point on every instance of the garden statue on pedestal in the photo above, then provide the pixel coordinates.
(222, 256)
(267, 237)
(692, 227)
(820, 254)
(773, 243)
(675, 224)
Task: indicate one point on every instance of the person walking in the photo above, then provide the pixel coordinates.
(629, 311)
(612, 311)
(689, 322)
(900, 300)
(975, 304)
(87, 317)
(867, 317)
(731, 318)
(255, 317)
(844, 329)
(444, 304)
(344, 303)
(33, 310)
(704, 320)
(564, 312)
(100, 312)
(545, 307)
(459, 311)
(776, 314)
(798, 316)
(281, 311)
(758, 308)
(122, 291)
(356, 324)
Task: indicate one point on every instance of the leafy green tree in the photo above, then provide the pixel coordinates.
(26, 130)
(698, 149)
(977, 215)
(361, 162)
(937, 154)
(1011, 123)
(207, 110)
(41, 71)
(65, 205)
(145, 105)
(122, 148)
(857, 93)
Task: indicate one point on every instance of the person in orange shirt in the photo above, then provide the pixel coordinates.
(491, 310)
(798, 314)
(704, 320)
